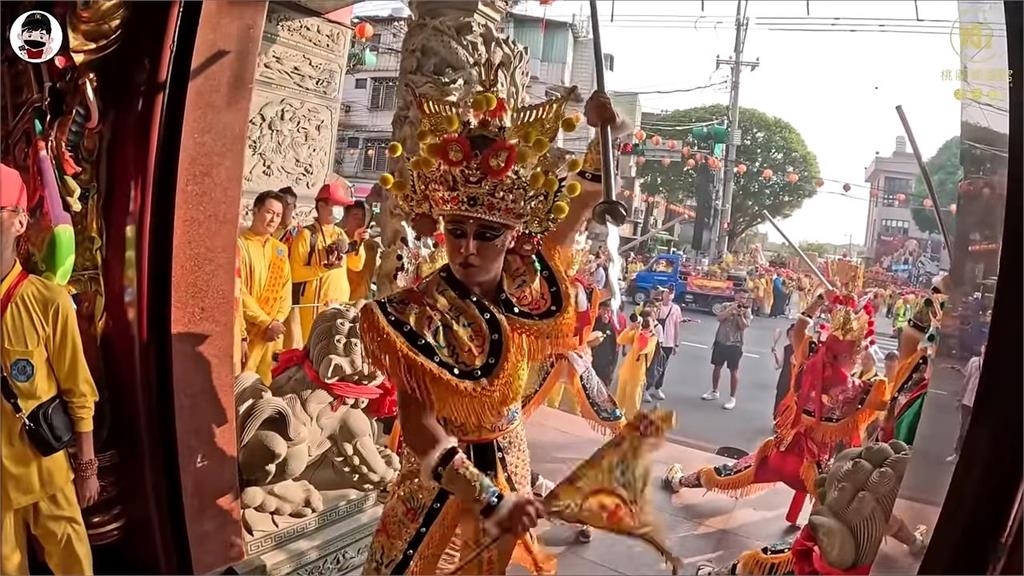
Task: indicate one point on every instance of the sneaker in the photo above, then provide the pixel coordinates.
(542, 487)
(730, 404)
(647, 398)
(658, 395)
(711, 395)
(584, 535)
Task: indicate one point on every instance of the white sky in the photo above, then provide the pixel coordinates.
(839, 89)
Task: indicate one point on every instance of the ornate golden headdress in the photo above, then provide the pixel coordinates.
(849, 321)
(481, 159)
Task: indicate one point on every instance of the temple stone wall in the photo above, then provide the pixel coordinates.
(293, 116)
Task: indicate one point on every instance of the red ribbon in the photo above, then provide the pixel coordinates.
(339, 390)
(807, 558)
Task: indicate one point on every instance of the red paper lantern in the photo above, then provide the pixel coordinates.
(640, 160)
(656, 140)
(952, 209)
(665, 161)
(792, 177)
(699, 157)
(966, 187)
(364, 31)
(672, 144)
(846, 187)
(767, 174)
(690, 163)
(640, 135)
(927, 203)
(741, 169)
(899, 197)
(686, 151)
(547, 2)
(818, 182)
(714, 163)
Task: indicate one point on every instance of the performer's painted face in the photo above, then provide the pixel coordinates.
(476, 249)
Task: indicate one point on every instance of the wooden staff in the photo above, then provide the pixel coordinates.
(799, 252)
(936, 208)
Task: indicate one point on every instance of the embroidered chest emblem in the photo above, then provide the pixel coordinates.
(22, 370)
(279, 251)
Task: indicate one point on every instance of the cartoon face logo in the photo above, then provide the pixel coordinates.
(36, 36)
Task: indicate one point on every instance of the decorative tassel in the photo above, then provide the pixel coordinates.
(757, 563)
(739, 485)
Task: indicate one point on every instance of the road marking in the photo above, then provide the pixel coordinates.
(751, 355)
(694, 345)
(940, 392)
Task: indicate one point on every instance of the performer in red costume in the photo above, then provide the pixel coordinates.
(825, 409)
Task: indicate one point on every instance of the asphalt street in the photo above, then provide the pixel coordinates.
(704, 425)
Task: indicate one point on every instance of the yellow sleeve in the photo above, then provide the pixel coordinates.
(251, 312)
(67, 358)
(627, 336)
(284, 306)
(299, 254)
(356, 260)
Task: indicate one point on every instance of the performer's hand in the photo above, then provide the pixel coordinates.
(88, 490)
(361, 235)
(274, 331)
(599, 111)
(521, 515)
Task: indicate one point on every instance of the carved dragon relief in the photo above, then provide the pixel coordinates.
(288, 68)
(290, 142)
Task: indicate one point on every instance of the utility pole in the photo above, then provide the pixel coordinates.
(737, 64)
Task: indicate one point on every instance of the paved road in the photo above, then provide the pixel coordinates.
(704, 425)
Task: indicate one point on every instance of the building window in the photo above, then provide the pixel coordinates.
(383, 94)
(375, 156)
(892, 227)
(360, 83)
(892, 187)
(352, 142)
(609, 62)
(638, 212)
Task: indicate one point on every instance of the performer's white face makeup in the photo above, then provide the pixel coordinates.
(476, 250)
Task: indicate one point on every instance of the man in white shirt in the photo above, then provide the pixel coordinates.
(669, 317)
(972, 374)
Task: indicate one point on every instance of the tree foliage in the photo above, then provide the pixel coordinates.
(946, 172)
(767, 142)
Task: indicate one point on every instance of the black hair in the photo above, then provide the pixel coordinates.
(891, 355)
(633, 318)
(288, 192)
(36, 22)
(262, 198)
(359, 205)
(604, 304)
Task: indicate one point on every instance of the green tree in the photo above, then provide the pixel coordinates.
(819, 248)
(946, 172)
(767, 142)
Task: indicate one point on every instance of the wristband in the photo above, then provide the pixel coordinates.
(454, 472)
(87, 469)
(590, 176)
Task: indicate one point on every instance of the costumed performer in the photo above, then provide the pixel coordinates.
(459, 344)
(826, 407)
(642, 339)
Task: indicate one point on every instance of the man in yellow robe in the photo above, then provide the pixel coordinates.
(322, 255)
(287, 231)
(41, 357)
(266, 284)
(360, 280)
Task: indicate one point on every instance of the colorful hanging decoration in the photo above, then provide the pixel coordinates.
(640, 135)
(966, 187)
(686, 151)
(665, 161)
(714, 163)
(899, 197)
(699, 157)
(690, 163)
(656, 140)
(626, 148)
(792, 177)
(672, 144)
(846, 187)
(767, 174)
(364, 31)
(741, 169)
(818, 182)
(927, 203)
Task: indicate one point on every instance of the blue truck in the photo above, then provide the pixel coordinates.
(691, 289)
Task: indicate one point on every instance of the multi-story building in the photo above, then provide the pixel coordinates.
(560, 56)
(893, 240)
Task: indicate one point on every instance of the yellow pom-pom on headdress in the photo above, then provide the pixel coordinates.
(487, 159)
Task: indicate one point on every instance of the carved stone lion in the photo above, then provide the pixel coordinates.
(304, 435)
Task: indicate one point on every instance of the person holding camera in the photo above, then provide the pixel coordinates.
(727, 350)
(49, 402)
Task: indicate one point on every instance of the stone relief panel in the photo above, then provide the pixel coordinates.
(306, 30)
(290, 143)
(290, 69)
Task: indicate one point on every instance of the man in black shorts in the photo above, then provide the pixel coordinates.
(728, 348)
